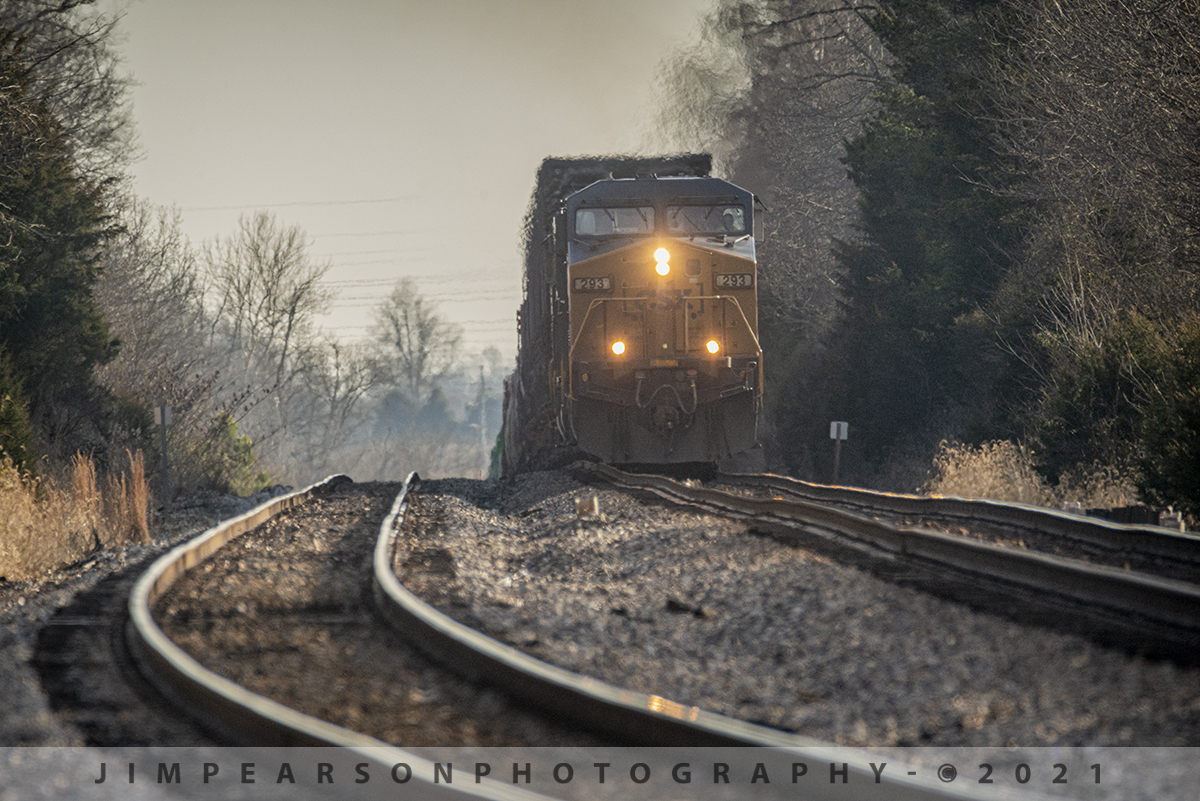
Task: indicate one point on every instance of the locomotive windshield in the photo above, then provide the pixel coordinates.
(614, 221)
(706, 219)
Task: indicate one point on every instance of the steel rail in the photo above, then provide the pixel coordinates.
(638, 718)
(1170, 607)
(1158, 541)
(231, 710)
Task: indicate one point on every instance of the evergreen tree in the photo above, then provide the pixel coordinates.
(16, 436)
(937, 236)
(52, 224)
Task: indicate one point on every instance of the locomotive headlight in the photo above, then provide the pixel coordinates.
(618, 347)
(713, 346)
(664, 261)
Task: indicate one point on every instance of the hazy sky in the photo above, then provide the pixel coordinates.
(402, 136)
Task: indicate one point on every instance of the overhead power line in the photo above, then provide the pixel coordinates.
(464, 278)
(409, 232)
(357, 253)
(400, 199)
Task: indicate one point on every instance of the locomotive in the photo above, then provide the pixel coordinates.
(639, 327)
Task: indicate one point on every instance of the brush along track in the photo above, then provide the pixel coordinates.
(1155, 550)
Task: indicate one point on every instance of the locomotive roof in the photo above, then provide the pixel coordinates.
(656, 190)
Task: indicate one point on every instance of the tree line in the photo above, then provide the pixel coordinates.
(982, 226)
(108, 311)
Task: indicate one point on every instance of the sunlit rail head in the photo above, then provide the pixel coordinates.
(659, 704)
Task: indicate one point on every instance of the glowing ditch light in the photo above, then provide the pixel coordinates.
(713, 346)
(618, 347)
(663, 258)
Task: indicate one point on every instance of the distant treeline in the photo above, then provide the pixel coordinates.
(107, 311)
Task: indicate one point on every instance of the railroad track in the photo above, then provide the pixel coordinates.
(1156, 549)
(628, 716)
(238, 715)
(1154, 614)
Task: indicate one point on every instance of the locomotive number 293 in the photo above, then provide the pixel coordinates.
(736, 280)
(592, 284)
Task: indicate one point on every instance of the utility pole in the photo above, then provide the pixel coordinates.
(483, 448)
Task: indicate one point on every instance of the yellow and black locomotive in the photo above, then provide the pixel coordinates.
(650, 351)
(665, 363)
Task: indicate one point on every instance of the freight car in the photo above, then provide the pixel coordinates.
(638, 330)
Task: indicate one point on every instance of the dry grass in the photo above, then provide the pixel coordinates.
(1004, 471)
(46, 523)
(127, 503)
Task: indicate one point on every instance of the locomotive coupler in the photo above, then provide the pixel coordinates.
(666, 408)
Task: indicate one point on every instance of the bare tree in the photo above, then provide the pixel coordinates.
(152, 296)
(327, 410)
(265, 292)
(702, 89)
(69, 48)
(416, 346)
(1099, 104)
(213, 365)
(774, 88)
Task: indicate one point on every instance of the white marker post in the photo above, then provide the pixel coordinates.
(838, 431)
(162, 419)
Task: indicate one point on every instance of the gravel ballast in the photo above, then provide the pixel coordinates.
(677, 603)
(287, 611)
(704, 612)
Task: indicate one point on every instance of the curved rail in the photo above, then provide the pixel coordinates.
(626, 714)
(1158, 541)
(232, 710)
(1163, 611)
(247, 715)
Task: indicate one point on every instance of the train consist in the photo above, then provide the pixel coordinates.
(638, 332)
